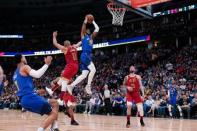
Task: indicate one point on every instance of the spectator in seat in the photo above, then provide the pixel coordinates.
(118, 105)
(194, 106)
(97, 104)
(184, 105)
(148, 104)
(155, 105)
(89, 105)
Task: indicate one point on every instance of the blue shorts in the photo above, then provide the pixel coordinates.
(172, 102)
(36, 104)
(85, 61)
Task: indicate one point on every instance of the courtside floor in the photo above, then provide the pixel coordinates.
(12, 120)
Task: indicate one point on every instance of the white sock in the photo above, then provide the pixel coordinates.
(54, 125)
(49, 91)
(80, 78)
(92, 69)
(64, 85)
(40, 129)
(171, 114)
(181, 114)
(60, 102)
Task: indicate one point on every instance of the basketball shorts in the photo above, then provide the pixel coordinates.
(35, 103)
(69, 99)
(70, 71)
(134, 98)
(85, 61)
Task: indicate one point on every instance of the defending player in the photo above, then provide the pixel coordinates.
(68, 100)
(29, 99)
(70, 53)
(87, 66)
(134, 85)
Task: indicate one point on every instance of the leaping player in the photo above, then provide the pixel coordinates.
(134, 85)
(87, 66)
(29, 99)
(72, 65)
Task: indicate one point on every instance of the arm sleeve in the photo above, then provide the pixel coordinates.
(96, 27)
(38, 73)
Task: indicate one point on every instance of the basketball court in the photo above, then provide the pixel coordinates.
(17, 121)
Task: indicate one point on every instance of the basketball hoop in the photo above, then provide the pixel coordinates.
(117, 12)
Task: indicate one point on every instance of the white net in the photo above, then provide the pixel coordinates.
(117, 12)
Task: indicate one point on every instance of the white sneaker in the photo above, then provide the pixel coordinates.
(88, 89)
(85, 112)
(89, 112)
(60, 102)
(49, 91)
(70, 89)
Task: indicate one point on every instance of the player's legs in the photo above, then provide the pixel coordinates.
(78, 80)
(69, 72)
(129, 107)
(141, 113)
(170, 110)
(92, 70)
(53, 116)
(71, 115)
(180, 111)
(38, 104)
(51, 90)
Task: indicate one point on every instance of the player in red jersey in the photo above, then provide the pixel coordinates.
(68, 102)
(133, 84)
(72, 65)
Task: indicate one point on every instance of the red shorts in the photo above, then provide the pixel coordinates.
(70, 71)
(134, 98)
(67, 97)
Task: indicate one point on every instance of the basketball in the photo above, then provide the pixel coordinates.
(90, 18)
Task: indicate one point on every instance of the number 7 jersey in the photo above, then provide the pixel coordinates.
(72, 64)
(71, 55)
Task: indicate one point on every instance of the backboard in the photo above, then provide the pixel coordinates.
(145, 12)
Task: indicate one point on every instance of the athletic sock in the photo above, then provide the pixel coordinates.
(141, 117)
(128, 117)
(54, 125)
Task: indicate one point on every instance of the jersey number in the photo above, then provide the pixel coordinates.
(132, 83)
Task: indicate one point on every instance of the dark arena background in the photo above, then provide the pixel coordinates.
(157, 37)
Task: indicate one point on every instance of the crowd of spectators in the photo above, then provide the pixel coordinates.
(157, 66)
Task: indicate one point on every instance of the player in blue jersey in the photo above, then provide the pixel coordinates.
(172, 98)
(29, 99)
(87, 66)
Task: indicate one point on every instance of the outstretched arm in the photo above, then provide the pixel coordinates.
(78, 44)
(83, 28)
(55, 43)
(96, 30)
(27, 70)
